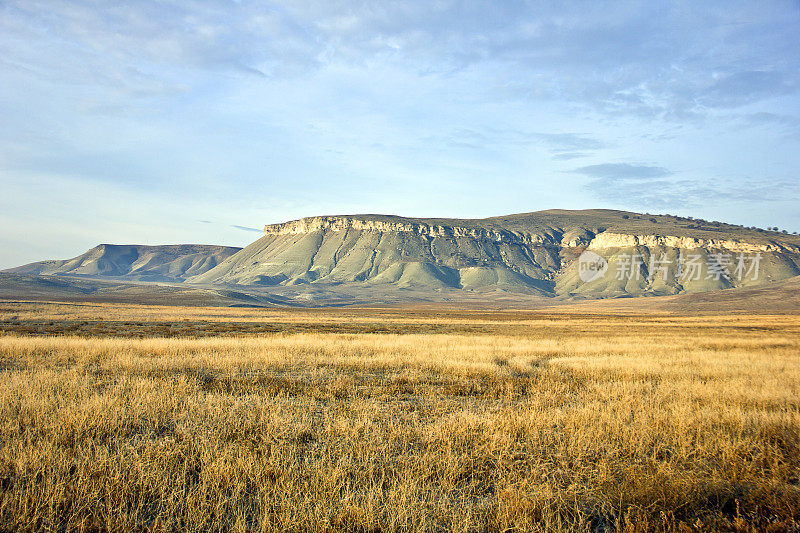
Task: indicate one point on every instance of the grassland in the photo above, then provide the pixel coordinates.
(124, 417)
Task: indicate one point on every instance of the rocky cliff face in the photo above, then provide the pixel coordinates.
(344, 223)
(607, 239)
(404, 252)
(536, 252)
(617, 240)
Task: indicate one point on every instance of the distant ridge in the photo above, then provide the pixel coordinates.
(169, 263)
(533, 254)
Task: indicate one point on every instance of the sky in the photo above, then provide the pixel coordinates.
(159, 122)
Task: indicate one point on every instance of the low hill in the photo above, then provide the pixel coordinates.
(135, 262)
(25, 287)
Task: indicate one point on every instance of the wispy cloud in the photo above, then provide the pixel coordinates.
(742, 87)
(623, 57)
(567, 156)
(562, 145)
(476, 108)
(622, 171)
(658, 187)
(246, 228)
(789, 124)
(683, 194)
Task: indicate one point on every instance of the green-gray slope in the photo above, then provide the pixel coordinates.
(135, 262)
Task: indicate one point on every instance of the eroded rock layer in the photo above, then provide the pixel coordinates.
(534, 252)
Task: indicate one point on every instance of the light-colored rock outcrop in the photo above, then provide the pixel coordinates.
(619, 240)
(344, 223)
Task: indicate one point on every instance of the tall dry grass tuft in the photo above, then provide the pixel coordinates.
(548, 423)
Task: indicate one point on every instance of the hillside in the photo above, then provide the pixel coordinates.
(32, 287)
(363, 258)
(135, 262)
(780, 297)
(527, 253)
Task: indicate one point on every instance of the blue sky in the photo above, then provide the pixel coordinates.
(189, 121)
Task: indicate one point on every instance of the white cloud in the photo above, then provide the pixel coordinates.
(454, 108)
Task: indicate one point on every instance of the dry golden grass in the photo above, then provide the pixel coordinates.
(450, 422)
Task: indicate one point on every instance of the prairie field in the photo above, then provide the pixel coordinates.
(147, 418)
